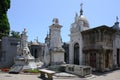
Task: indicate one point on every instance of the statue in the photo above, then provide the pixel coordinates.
(24, 43)
(24, 60)
(18, 49)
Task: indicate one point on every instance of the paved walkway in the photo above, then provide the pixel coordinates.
(7, 76)
(113, 75)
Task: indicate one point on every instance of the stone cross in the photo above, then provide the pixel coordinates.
(81, 11)
(81, 5)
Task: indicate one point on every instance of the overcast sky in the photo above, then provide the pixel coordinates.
(37, 15)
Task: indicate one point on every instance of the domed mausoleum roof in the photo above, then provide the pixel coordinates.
(81, 23)
(35, 42)
(84, 20)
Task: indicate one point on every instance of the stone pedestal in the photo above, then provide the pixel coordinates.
(27, 63)
(22, 63)
(57, 56)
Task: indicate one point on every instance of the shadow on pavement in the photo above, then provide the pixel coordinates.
(97, 73)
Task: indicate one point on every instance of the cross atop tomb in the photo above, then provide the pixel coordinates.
(81, 11)
(81, 5)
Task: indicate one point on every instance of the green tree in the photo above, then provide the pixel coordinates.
(15, 34)
(4, 23)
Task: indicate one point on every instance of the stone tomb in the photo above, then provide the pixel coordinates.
(23, 60)
(79, 70)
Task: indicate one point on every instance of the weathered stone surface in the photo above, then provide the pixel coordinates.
(56, 50)
(24, 59)
(79, 70)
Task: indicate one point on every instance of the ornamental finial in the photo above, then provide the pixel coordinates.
(117, 18)
(81, 11)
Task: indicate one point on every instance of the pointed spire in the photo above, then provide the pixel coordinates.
(37, 38)
(117, 18)
(81, 11)
(47, 33)
(116, 25)
(76, 17)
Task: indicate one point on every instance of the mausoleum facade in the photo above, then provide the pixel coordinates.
(96, 47)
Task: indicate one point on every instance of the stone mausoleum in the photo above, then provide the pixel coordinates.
(97, 47)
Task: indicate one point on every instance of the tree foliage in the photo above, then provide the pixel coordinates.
(4, 23)
(15, 34)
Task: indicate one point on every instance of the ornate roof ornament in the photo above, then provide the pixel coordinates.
(117, 18)
(81, 11)
(55, 21)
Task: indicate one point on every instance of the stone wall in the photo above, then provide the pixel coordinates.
(9, 51)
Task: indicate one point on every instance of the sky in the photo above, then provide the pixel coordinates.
(37, 15)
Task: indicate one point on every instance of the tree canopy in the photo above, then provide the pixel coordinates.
(15, 34)
(4, 23)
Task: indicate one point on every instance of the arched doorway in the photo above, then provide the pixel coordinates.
(35, 53)
(76, 54)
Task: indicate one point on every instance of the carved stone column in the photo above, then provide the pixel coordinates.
(99, 35)
(98, 60)
(103, 60)
(110, 59)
